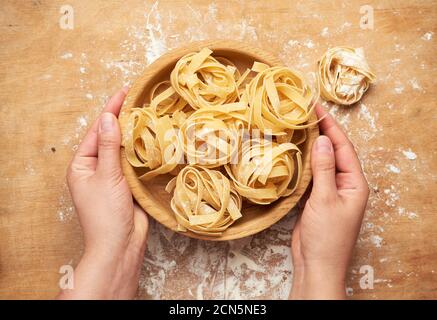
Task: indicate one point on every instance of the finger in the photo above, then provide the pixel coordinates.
(323, 168)
(114, 104)
(350, 174)
(88, 146)
(109, 139)
(346, 159)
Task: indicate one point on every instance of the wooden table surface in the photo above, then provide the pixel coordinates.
(53, 83)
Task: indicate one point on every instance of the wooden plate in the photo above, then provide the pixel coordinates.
(152, 197)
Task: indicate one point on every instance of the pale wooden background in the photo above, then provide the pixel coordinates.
(53, 83)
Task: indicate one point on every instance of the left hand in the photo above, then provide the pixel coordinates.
(325, 234)
(114, 228)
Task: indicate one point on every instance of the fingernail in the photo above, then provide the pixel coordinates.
(323, 145)
(106, 122)
(125, 89)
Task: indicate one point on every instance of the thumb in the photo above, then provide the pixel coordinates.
(108, 161)
(141, 223)
(323, 168)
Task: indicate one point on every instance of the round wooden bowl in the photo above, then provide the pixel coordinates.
(151, 195)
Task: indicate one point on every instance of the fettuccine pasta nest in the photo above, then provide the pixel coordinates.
(226, 135)
(279, 99)
(344, 75)
(212, 136)
(204, 201)
(266, 170)
(152, 142)
(203, 81)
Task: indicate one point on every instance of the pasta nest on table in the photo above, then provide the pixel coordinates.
(344, 75)
(204, 200)
(239, 134)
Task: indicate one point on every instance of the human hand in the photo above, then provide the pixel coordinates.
(325, 234)
(114, 228)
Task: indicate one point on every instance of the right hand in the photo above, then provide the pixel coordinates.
(326, 232)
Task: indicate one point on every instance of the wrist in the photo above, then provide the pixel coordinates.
(100, 275)
(318, 283)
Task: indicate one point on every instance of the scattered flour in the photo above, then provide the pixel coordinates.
(292, 43)
(246, 29)
(399, 47)
(412, 215)
(345, 25)
(67, 55)
(399, 88)
(325, 32)
(247, 268)
(395, 62)
(366, 115)
(65, 208)
(156, 45)
(29, 169)
(343, 118)
(415, 84)
(212, 10)
(83, 122)
(73, 139)
(409, 214)
(376, 240)
(427, 36)
(126, 68)
(410, 155)
(385, 281)
(392, 196)
(393, 168)
(309, 44)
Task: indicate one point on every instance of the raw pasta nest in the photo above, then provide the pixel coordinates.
(344, 75)
(152, 142)
(204, 201)
(211, 136)
(203, 81)
(279, 99)
(227, 136)
(266, 170)
(167, 101)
